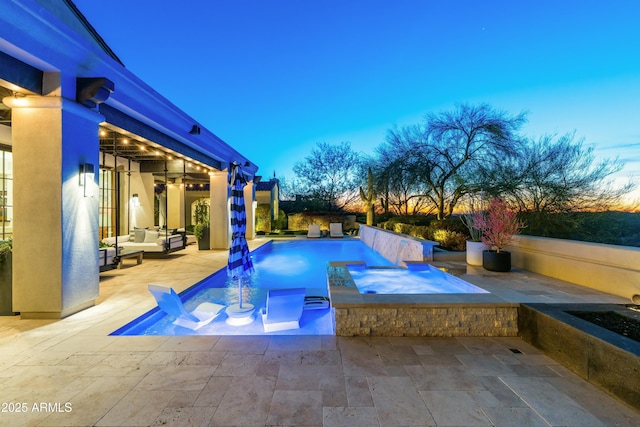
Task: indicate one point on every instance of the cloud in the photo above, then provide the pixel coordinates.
(620, 146)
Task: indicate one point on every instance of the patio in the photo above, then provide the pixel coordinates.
(286, 380)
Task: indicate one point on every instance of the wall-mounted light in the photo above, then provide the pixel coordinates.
(135, 200)
(91, 91)
(87, 172)
(195, 130)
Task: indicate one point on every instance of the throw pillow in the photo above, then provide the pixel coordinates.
(139, 234)
(150, 236)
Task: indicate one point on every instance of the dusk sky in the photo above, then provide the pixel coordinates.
(273, 78)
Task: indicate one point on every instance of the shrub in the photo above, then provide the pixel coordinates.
(454, 240)
(498, 224)
(450, 224)
(6, 246)
(263, 217)
(281, 222)
(450, 240)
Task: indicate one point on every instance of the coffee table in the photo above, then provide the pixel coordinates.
(133, 254)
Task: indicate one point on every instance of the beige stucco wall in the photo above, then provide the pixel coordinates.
(609, 268)
(263, 197)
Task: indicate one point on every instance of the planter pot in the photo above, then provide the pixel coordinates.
(204, 243)
(496, 261)
(474, 252)
(6, 286)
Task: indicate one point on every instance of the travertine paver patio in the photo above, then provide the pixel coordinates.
(282, 380)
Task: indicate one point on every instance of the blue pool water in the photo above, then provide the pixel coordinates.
(278, 265)
(416, 279)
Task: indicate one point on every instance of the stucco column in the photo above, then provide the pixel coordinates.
(175, 216)
(55, 249)
(250, 209)
(220, 235)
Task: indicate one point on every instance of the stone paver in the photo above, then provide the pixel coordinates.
(71, 372)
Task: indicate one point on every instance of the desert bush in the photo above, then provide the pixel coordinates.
(450, 240)
(453, 239)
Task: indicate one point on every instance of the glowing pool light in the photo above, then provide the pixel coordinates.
(417, 279)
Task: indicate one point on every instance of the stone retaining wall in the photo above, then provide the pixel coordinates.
(427, 320)
(604, 358)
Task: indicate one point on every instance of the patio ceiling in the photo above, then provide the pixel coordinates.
(165, 164)
(152, 157)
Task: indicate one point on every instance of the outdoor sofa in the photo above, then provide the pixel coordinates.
(148, 241)
(107, 259)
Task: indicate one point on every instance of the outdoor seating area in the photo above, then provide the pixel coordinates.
(107, 258)
(147, 241)
(335, 229)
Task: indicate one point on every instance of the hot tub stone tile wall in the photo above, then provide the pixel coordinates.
(426, 320)
(413, 315)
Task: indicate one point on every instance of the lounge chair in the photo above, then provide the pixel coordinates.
(335, 229)
(314, 231)
(316, 303)
(283, 309)
(171, 303)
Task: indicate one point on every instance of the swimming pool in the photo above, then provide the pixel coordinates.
(278, 265)
(416, 279)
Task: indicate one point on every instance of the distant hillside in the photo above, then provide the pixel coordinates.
(615, 228)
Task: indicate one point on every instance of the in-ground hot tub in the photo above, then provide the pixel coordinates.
(415, 279)
(416, 314)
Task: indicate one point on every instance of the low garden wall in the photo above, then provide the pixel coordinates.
(397, 248)
(604, 358)
(608, 268)
(301, 221)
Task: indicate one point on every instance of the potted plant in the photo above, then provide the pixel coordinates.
(201, 229)
(475, 245)
(498, 225)
(6, 281)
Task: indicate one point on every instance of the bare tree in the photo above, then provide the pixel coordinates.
(399, 187)
(330, 175)
(555, 175)
(447, 151)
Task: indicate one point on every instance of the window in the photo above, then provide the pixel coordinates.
(107, 220)
(6, 193)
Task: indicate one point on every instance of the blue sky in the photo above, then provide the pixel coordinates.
(274, 77)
